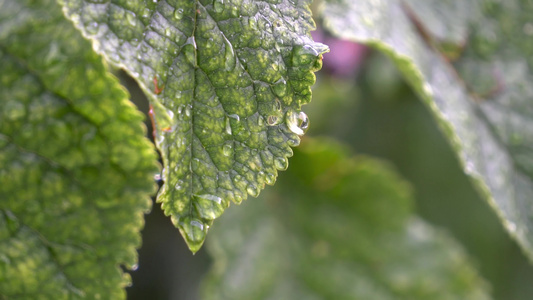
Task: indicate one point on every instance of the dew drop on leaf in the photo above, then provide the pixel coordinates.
(293, 142)
(270, 179)
(227, 150)
(210, 197)
(234, 116)
(308, 54)
(252, 22)
(298, 123)
(92, 28)
(229, 56)
(146, 13)
(179, 185)
(228, 126)
(252, 190)
(189, 49)
(277, 105)
(209, 206)
(280, 87)
(178, 13)
(272, 120)
(194, 230)
(281, 163)
(131, 18)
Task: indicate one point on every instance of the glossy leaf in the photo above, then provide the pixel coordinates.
(76, 171)
(471, 62)
(336, 228)
(226, 81)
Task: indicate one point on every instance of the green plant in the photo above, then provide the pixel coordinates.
(226, 81)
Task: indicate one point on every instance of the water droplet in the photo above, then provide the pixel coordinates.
(235, 12)
(228, 126)
(92, 28)
(227, 150)
(277, 105)
(210, 197)
(235, 116)
(298, 123)
(157, 177)
(239, 182)
(307, 54)
(179, 185)
(146, 13)
(270, 179)
(170, 114)
(237, 198)
(260, 121)
(178, 13)
(280, 88)
(189, 49)
(511, 226)
(252, 22)
(218, 5)
(272, 120)
(252, 190)
(188, 111)
(229, 56)
(134, 267)
(159, 138)
(194, 232)
(168, 32)
(268, 27)
(293, 142)
(209, 43)
(281, 163)
(131, 18)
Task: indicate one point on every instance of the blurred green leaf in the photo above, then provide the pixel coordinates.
(76, 171)
(226, 80)
(336, 228)
(471, 63)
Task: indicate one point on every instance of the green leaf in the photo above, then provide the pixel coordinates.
(336, 228)
(226, 80)
(471, 62)
(76, 171)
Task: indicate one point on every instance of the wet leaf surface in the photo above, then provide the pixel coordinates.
(226, 81)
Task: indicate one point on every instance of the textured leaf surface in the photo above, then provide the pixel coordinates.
(76, 171)
(335, 228)
(471, 61)
(226, 80)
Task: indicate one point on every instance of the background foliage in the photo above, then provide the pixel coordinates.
(390, 123)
